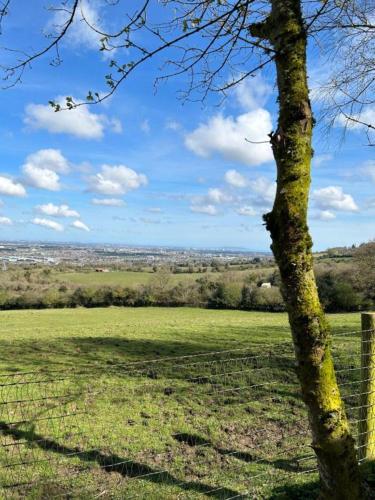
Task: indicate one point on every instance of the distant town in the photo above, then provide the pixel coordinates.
(41, 253)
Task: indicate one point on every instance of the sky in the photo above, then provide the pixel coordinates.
(146, 168)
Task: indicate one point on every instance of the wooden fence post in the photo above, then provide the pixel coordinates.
(366, 427)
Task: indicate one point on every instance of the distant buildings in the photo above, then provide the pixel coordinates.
(266, 285)
(101, 257)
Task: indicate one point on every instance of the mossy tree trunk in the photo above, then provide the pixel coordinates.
(291, 245)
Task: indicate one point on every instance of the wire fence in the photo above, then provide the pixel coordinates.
(226, 424)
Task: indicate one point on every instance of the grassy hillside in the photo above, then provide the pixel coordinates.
(155, 403)
(51, 337)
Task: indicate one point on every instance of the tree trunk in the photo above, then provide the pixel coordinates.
(291, 245)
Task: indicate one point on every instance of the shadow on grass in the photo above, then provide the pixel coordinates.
(113, 463)
(306, 491)
(218, 373)
(107, 350)
(113, 350)
(288, 465)
(194, 363)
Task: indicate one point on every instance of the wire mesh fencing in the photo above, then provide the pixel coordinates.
(355, 370)
(226, 424)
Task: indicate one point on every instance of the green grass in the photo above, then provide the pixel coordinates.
(132, 278)
(187, 425)
(48, 338)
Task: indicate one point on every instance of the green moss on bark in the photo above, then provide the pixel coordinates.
(291, 245)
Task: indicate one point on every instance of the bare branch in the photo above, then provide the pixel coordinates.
(4, 10)
(53, 45)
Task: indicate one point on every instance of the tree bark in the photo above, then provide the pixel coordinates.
(291, 245)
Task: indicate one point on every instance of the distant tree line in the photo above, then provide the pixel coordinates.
(343, 286)
(349, 287)
(204, 292)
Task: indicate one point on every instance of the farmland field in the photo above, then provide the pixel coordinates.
(133, 278)
(52, 338)
(155, 404)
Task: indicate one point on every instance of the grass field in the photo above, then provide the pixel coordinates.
(155, 404)
(132, 278)
(52, 338)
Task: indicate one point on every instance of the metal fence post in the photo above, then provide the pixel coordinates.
(366, 427)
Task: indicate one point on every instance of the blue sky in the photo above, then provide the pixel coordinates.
(146, 168)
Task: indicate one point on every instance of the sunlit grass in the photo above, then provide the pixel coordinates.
(133, 278)
(190, 427)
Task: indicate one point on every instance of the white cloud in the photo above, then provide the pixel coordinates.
(116, 180)
(235, 179)
(78, 224)
(217, 196)
(318, 160)
(173, 125)
(42, 168)
(253, 92)
(42, 178)
(155, 210)
(50, 224)
(80, 122)
(333, 197)
(264, 189)
(80, 35)
(5, 221)
(226, 136)
(108, 202)
(325, 215)
(56, 210)
(11, 188)
(52, 159)
(206, 203)
(246, 211)
(204, 209)
(260, 193)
